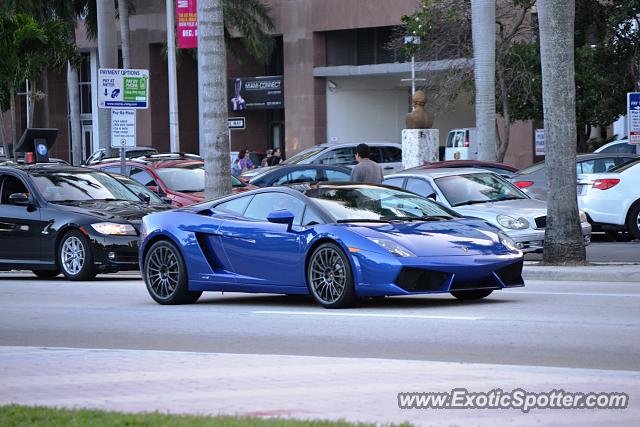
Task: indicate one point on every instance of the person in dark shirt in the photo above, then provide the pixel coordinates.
(275, 158)
(366, 171)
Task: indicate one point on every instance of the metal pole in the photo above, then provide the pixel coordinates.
(123, 161)
(413, 79)
(28, 93)
(174, 128)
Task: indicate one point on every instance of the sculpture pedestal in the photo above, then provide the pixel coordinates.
(420, 146)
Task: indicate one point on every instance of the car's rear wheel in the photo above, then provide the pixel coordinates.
(633, 220)
(75, 257)
(472, 295)
(46, 274)
(329, 277)
(165, 275)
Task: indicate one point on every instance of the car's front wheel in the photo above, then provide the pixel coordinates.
(475, 294)
(329, 277)
(75, 257)
(165, 275)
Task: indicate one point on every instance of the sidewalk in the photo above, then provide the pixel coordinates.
(302, 387)
(606, 272)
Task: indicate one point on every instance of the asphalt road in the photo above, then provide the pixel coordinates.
(562, 324)
(608, 252)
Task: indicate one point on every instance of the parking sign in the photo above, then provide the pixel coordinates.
(633, 115)
(123, 128)
(123, 88)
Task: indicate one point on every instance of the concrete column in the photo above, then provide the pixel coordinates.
(419, 146)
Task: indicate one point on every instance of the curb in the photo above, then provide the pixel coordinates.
(598, 273)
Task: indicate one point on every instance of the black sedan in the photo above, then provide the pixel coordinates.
(75, 221)
(297, 174)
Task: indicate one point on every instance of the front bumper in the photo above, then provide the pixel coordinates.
(532, 240)
(114, 253)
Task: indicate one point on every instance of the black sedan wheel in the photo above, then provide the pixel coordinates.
(329, 277)
(75, 257)
(46, 274)
(165, 275)
(472, 295)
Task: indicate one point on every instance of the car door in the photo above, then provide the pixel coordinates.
(264, 253)
(21, 226)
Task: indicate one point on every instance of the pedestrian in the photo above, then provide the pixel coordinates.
(265, 161)
(366, 171)
(276, 158)
(242, 163)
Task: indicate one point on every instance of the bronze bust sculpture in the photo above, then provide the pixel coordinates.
(419, 118)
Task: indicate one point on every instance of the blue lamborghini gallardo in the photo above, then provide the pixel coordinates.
(336, 242)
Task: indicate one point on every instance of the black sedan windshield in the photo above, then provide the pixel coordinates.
(375, 203)
(83, 186)
(477, 188)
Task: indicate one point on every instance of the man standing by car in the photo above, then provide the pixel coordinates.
(366, 171)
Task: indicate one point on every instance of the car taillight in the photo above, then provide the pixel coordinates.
(523, 184)
(466, 140)
(605, 183)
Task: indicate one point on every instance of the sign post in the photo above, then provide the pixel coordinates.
(633, 116)
(540, 149)
(123, 91)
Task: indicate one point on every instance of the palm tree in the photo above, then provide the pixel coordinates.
(123, 18)
(108, 58)
(483, 22)
(563, 236)
(212, 99)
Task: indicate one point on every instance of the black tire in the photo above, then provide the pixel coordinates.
(165, 275)
(46, 274)
(472, 295)
(633, 220)
(337, 273)
(87, 270)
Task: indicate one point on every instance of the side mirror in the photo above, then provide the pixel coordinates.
(144, 197)
(21, 199)
(281, 217)
(167, 200)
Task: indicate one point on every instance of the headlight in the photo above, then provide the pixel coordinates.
(114, 229)
(583, 215)
(507, 241)
(392, 247)
(514, 224)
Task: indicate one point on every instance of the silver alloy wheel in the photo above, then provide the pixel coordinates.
(638, 221)
(72, 255)
(327, 275)
(163, 272)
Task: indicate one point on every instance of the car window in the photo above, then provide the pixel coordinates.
(622, 148)
(396, 182)
(83, 186)
(339, 156)
(531, 169)
(420, 187)
(477, 188)
(311, 217)
(335, 176)
(112, 169)
(297, 177)
(264, 203)
(391, 154)
(375, 154)
(236, 206)
(11, 185)
(595, 165)
(143, 177)
(627, 165)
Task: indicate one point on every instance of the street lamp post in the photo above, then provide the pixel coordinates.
(412, 40)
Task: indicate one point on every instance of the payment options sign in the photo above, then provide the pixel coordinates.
(120, 88)
(633, 114)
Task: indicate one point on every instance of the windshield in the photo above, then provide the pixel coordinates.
(188, 179)
(477, 188)
(303, 155)
(375, 203)
(531, 169)
(138, 188)
(74, 187)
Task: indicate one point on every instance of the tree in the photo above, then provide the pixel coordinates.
(445, 30)
(483, 22)
(563, 243)
(123, 18)
(212, 98)
(108, 54)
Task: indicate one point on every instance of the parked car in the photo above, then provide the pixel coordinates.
(621, 146)
(499, 168)
(296, 174)
(461, 144)
(75, 221)
(387, 154)
(174, 176)
(612, 200)
(144, 193)
(101, 154)
(336, 242)
(533, 179)
(485, 195)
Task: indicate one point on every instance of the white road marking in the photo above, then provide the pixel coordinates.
(584, 294)
(383, 315)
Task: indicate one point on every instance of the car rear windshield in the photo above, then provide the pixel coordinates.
(477, 188)
(187, 179)
(85, 186)
(375, 203)
(531, 169)
(624, 166)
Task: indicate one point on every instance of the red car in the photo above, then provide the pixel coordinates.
(177, 177)
(499, 168)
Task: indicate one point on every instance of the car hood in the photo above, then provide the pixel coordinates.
(436, 238)
(113, 210)
(527, 208)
